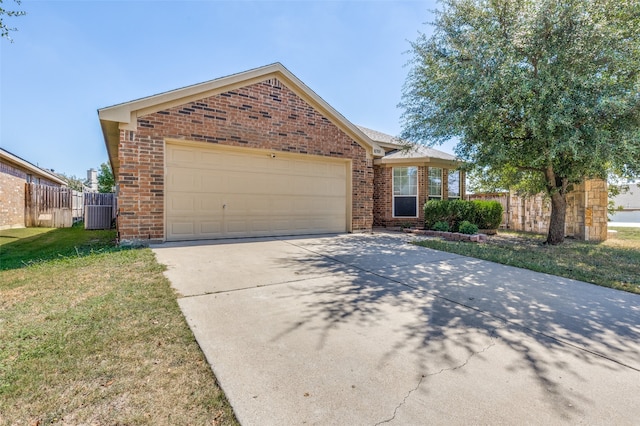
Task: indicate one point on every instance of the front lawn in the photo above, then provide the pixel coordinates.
(614, 263)
(91, 334)
(25, 246)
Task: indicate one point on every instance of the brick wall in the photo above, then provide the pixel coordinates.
(383, 197)
(11, 201)
(264, 115)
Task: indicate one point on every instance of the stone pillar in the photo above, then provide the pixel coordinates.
(596, 199)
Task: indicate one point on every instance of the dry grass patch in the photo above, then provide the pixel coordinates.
(100, 339)
(614, 263)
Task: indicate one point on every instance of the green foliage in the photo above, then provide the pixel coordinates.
(488, 214)
(4, 13)
(435, 211)
(441, 226)
(453, 212)
(483, 214)
(541, 93)
(468, 228)
(106, 182)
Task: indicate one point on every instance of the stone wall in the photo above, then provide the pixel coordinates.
(586, 217)
(383, 195)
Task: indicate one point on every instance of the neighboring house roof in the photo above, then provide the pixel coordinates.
(124, 116)
(29, 167)
(629, 198)
(399, 151)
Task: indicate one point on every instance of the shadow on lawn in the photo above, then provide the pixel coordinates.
(453, 308)
(55, 244)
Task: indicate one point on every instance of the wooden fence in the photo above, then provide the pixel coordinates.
(48, 206)
(60, 207)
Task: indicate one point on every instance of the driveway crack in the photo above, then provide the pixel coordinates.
(423, 376)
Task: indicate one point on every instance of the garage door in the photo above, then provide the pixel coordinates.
(215, 192)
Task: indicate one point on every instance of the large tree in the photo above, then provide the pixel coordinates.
(544, 93)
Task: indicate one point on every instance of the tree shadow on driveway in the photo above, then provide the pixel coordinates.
(445, 310)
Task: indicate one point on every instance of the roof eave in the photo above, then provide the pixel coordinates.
(31, 167)
(111, 133)
(417, 161)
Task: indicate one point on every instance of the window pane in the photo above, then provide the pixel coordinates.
(435, 182)
(405, 207)
(405, 181)
(405, 191)
(454, 183)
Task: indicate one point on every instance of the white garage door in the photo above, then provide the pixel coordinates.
(215, 192)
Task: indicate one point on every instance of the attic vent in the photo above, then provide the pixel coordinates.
(274, 82)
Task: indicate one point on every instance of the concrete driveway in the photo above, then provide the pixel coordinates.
(369, 330)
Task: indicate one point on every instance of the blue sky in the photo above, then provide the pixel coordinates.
(70, 58)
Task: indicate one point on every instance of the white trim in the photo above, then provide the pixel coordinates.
(393, 195)
(429, 183)
(449, 197)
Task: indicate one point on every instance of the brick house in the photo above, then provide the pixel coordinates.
(260, 154)
(14, 173)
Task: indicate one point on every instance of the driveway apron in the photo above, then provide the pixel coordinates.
(370, 329)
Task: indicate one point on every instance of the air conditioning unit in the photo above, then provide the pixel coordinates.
(97, 217)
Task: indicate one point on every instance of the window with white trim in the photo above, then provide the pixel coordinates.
(405, 192)
(453, 184)
(435, 183)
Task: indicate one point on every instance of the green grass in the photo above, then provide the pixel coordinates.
(614, 263)
(22, 247)
(91, 334)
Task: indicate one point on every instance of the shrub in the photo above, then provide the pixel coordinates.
(441, 226)
(489, 214)
(460, 211)
(484, 214)
(468, 228)
(435, 211)
(453, 212)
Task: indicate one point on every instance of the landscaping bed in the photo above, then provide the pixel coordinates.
(450, 236)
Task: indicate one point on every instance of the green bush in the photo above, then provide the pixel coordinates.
(441, 226)
(489, 214)
(469, 228)
(435, 211)
(451, 211)
(460, 211)
(484, 214)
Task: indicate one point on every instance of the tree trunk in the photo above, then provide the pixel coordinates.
(558, 217)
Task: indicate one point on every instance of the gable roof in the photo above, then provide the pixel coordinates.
(124, 116)
(399, 151)
(24, 164)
